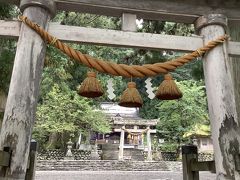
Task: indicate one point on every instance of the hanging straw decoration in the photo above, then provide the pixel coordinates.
(131, 97)
(168, 89)
(91, 87)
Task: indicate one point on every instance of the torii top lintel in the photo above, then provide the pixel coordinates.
(185, 11)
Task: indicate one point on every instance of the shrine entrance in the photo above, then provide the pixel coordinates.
(135, 137)
(129, 131)
(212, 20)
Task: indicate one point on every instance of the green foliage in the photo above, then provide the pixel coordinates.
(149, 109)
(7, 11)
(64, 112)
(168, 147)
(198, 130)
(67, 111)
(87, 20)
(55, 71)
(7, 49)
(6, 64)
(178, 116)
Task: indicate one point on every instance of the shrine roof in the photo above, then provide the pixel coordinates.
(125, 116)
(114, 110)
(135, 121)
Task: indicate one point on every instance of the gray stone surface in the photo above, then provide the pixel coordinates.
(101, 165)
(174, 166)
(116, 175)
(57, 154)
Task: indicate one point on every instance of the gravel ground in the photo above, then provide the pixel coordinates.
(116, 175)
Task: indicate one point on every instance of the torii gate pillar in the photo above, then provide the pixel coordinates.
(121, 144)
(221, 99)
(149, 145)
(24, 89)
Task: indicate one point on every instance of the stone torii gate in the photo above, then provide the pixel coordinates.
(221, 65)
(135, 130)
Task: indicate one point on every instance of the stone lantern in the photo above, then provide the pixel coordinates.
(69, 155)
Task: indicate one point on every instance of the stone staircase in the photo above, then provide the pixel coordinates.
(100, 165)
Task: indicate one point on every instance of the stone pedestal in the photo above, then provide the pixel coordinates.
(69, 155)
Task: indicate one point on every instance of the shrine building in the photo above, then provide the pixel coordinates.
(131, 135)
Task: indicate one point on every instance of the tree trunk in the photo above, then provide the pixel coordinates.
(52, 141)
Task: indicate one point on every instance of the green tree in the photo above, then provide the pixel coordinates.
(178, 116)
(7, 49)
(63, 114)
(7, 52)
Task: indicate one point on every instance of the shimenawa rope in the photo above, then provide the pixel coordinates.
(122, 69)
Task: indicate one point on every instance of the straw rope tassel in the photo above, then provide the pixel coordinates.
(91, 87)
(131, 97)
(168, 89)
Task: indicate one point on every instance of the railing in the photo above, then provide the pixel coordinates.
(191, 165)
(5, 159)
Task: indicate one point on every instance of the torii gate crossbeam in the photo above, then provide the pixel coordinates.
(185, 11)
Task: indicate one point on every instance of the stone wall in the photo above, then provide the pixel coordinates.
(111, 153)
(57, 154)
(204, 156)
(175, 166)
(101, 165)
(173, 156)
(169, 156)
